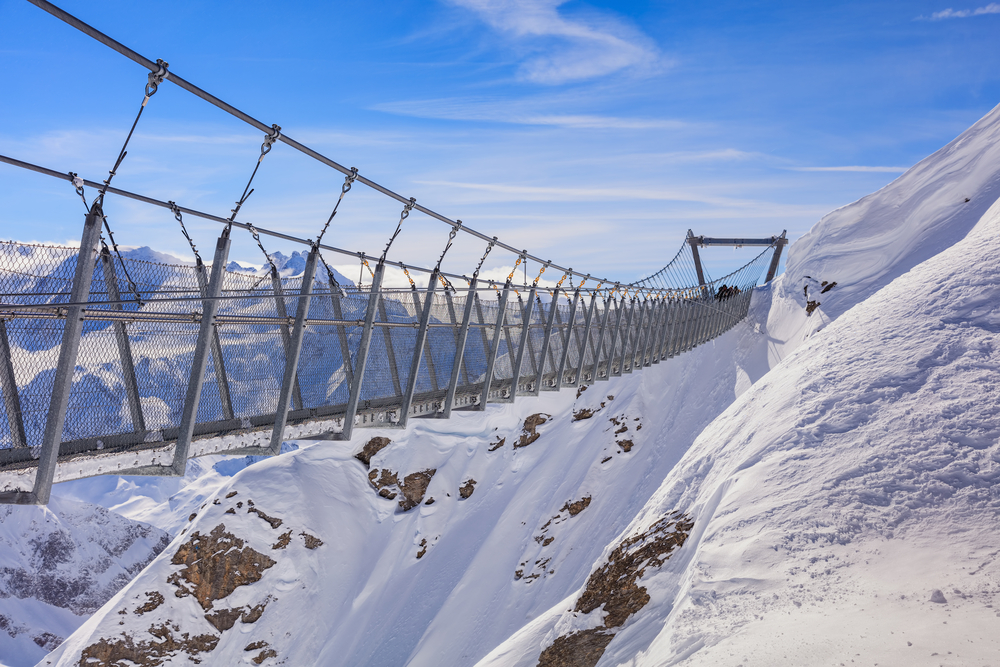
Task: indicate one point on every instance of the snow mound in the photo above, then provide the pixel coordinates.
(836, 499)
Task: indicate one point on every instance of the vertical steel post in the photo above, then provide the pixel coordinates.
(648, 348)
(567, 340)
(530, 348)
(585, 343)
(390, 351)
(511, 350)
(623, 319)
(630, 328)
(345, 347)
(124, 350)
(192, 398)
(491, 358)
(522, 345)
(553, 309)
(482, 320)
(633, 337)
(430, 358)
(221, 379)
(458, 333)
(693, 242)
(8, 385)
(418, 348)
(663, 349)
(286, 336)
(459, 362)
(773, 269)
(600, 343)
(294, 350)
(62, 383)
(362, 360)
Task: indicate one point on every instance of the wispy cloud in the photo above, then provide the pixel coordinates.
(992, 8)
(562, 48)
(519, 113)
(886, 170)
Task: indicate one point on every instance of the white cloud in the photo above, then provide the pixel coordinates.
(886, 170)
(520, 113)
(567, 49)
(992, 8)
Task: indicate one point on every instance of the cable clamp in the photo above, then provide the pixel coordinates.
(349, 180)
(269, 140)
(156, 78)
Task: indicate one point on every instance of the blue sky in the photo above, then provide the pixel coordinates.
(594, 134)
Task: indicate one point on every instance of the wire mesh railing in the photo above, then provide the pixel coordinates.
(134, 365)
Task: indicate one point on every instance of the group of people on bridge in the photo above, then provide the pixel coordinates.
(725, 292)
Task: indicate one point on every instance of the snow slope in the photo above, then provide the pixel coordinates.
(806, 471)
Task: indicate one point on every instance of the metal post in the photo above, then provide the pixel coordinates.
(221, 379)
(530, 347)
(491, 358)
(482, 320)
(522, 345)
(430, 358)
(390, 351)
(62, 383)
(631, 343)
(553, 309)
(627, 337)
(621, 319)
(8, 385)
(345, 347)
(210, 305)
(773, 269)
(600, 342)
(362, 361)
(463, 334)
(294, 350)
(693, 242)
(124, 350)
(652, 333)
(683, 317)
(511, 350)
(279, 301)
(418, 348)
(454, 320)
(567, 339)
(585, 343)
(663, 350)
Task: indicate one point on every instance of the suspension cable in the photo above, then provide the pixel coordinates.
(399, 226)
(348, 181)
(184, 231)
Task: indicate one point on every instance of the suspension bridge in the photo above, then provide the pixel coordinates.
(115, 365)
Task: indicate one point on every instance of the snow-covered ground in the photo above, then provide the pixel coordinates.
(806, 490)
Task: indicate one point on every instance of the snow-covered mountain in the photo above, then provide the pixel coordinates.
(58, 565)
(819, 485)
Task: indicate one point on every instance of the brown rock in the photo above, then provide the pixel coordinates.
(423, 548)
(275, 523)
(413, 488)
(371, 448)
(577, 649)
(283, 541)
(576, 507)
(497, 445)
(614, 584)
(529, 434)
(584, 413)
(466, 489)
(165, 645)
(223, 619)
(155, 599)
(312, 542)
(215, 565)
